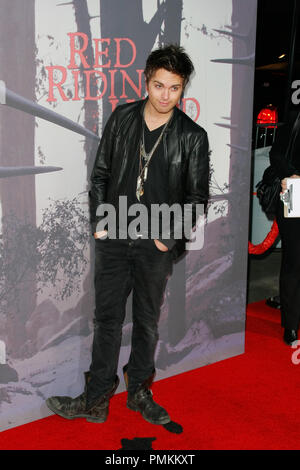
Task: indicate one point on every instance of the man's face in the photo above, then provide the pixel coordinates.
(164, 90)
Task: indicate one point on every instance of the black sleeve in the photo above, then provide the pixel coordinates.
(277, 154)
(102, 169)
(196, 186)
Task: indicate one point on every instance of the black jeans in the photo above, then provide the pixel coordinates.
(122, 266)
(289, 229)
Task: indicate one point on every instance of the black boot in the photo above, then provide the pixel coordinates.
(274, 302)
(141, 400)
(290, 336)
(71, 408)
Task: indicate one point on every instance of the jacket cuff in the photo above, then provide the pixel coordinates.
(95, 223)
(93, 227)
(170, 243)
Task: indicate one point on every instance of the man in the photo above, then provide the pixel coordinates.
(152, 153)
(285, 160)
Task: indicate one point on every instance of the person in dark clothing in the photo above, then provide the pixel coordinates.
(151, 153)
(289, 228)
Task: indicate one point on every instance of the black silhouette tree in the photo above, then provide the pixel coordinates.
(164, 27)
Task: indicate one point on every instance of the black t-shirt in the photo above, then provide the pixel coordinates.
(156, 184)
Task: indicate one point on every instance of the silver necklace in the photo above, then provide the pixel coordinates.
(146, 157)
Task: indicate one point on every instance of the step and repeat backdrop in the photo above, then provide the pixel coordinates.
(64, 67)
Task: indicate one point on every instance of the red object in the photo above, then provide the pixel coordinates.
(268, 115)
(237, 403)
(267, 243)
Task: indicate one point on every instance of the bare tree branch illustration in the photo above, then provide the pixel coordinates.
(53, 254)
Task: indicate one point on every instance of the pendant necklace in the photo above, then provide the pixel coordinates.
(145, 158)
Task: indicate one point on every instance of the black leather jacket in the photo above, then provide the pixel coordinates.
(185, 148)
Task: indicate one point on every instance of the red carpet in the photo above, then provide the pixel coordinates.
(246, 402)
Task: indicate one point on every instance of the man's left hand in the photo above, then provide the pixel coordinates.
(284, 183)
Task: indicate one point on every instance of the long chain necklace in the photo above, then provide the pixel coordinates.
(146, 157)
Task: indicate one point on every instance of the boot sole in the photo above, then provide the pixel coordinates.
(165, 420)
(88, 418)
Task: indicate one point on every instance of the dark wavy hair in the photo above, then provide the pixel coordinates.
(172, 58)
